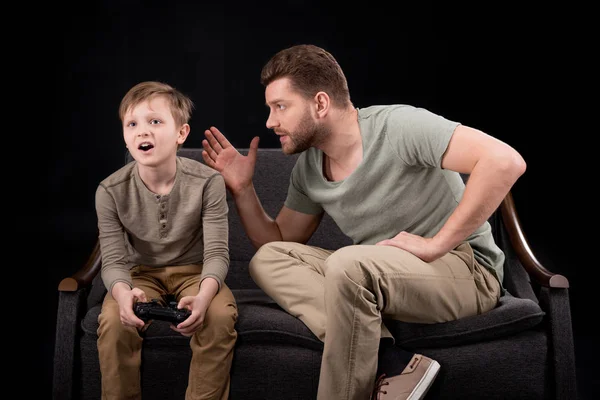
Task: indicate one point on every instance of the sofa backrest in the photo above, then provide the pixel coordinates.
(271, 180)
(516, 279)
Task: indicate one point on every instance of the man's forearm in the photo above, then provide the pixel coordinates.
(487, 186)
(259, 226)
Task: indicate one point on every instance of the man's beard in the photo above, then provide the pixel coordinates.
(308, 134)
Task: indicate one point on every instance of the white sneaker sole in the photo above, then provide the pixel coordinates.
(424, 384)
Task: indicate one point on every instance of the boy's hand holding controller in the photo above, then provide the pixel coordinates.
(198, 305)
(126, 297)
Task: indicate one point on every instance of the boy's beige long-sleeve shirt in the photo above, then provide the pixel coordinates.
(139, 227)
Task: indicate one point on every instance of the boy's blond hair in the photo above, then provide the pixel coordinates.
(181, 105)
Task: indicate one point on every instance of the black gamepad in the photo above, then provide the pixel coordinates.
(154, 310)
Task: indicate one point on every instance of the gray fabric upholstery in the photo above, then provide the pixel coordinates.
(505, 353)
(511, 316)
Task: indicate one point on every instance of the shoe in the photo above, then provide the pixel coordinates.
(412, 384)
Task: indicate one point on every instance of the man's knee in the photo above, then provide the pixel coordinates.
(262, 259)
(344, 265)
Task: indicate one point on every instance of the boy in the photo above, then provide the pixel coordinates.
(163, 231)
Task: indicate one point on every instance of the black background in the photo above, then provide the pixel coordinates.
(510, 71)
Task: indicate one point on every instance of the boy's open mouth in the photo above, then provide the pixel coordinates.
(145, 146)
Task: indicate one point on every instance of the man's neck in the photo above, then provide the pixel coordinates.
(344, 139)
(343, 151)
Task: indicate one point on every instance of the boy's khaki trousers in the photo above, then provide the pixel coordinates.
(119, 347)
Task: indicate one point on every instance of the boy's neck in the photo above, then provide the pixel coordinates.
(159, 179)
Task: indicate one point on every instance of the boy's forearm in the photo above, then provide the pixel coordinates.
(118, 288)
(114, 273)
(208, 288)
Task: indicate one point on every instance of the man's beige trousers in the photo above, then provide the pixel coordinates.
(343, 296)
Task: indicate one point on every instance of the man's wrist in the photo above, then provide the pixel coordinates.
(242, 191)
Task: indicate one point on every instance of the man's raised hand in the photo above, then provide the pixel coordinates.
(237, 170)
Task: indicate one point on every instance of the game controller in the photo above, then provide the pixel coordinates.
(154, 310)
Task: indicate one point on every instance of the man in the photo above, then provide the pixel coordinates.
(390, 178)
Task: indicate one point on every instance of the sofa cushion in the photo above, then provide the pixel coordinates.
(257, 323)
(261, 320)
(269, 324)
(512, 315)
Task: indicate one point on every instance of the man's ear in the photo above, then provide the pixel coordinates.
(322, 104)
(184, 131)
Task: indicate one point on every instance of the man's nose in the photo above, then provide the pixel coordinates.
(271, 122)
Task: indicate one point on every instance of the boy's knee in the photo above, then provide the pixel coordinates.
(109, 315)
(110, 325)
(222, 317)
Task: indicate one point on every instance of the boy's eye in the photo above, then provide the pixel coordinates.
(281, 106)
(131, 124)
(155, 121)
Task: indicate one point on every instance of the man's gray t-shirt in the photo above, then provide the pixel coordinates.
(398, 186)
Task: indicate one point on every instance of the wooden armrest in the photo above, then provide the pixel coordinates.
(85, 275)
(519, 242)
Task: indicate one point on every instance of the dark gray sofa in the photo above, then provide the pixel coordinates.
(523, 349)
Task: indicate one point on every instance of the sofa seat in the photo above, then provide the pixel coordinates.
(262, 320)
(269, 336)
(511, 316)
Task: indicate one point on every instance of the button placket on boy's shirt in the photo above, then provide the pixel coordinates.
(162, 215)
